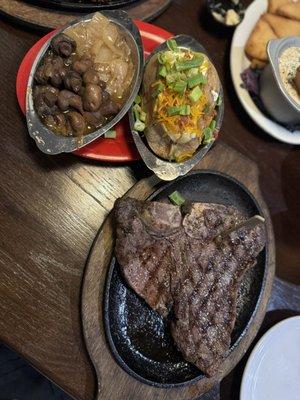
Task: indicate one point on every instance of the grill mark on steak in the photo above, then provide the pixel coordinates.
(158, 291)
(188, 263)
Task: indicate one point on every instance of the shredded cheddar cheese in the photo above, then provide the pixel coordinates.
(176, 123)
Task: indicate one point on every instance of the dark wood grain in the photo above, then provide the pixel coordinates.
(51, 209)
(113, 381)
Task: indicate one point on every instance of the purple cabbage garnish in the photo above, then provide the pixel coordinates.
(250, 78)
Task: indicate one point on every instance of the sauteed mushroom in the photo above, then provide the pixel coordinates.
(45, 99)
(73, 81)
(94, 119)
(81, 66)
(59, 123)
(45, 104)
(105, 96)
(63, 45)
(45, 89)
(92, 76)
(57, 79)
(52, 70)
(92, 97)
(109, 108)
(68, 99)
(77, 122)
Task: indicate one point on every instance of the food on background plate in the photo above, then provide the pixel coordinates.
(227, 12)
(289, 64)
(189, 260)
(176, 108)
(256, 46)
(230, 17)
(273, 24)
(84, 78)
(283, 27)
(290, 10)
(276, 6)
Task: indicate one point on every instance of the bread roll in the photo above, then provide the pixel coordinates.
(256, 46)
(291, 11)
(282, 26)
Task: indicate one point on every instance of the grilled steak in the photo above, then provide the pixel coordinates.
(143, 250)
(181, 261)
(205, 307)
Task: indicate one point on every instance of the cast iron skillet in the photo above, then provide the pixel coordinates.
(83, 5)
(139, 338)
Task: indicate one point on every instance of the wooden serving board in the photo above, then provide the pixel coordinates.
(47, 18)
(113, 382)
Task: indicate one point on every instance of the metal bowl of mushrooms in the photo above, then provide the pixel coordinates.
(84, 80)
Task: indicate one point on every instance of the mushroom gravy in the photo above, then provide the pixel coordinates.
(289, 61)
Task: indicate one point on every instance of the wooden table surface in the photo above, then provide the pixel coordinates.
(51, 209)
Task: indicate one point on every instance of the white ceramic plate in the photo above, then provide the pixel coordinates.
(239, 62)
(273, 369)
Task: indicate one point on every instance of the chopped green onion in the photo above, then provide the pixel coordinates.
(213, 125)
(136, 111)
(138, 99)
(137, 108)
(180, 87)
(110, 134)
(207, 132)
(143, 116)
(158, 89)
(208, 135)
(199, 57)
(160, 58)
(160, 86)
(185, 109)
(206, 141)
(166, 57)
(175, 76)
(172, 45)
(188, 64)
(195, 94)
(139, 116)
(136, 114)
(219, 101)
(193, 71)
(173, 111)
(176, 198)
(139, 126)
(162, 71)
(196, 80)
(155, 93)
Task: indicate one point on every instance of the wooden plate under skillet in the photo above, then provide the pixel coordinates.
(82, 5)
(29, 14)
(136, 370)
